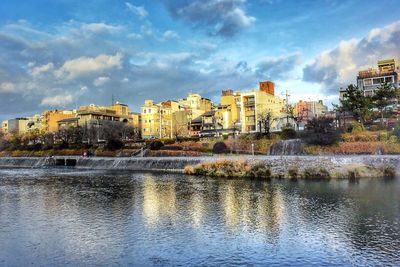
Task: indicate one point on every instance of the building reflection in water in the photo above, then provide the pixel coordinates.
(159, 200)
(253, 207)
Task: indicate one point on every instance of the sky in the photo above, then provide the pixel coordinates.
(60, 54)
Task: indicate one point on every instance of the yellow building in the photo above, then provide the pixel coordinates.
(159, 120)
(256, 103)
(229, 110)
(51, 118)
(196, 104)
(4, 126)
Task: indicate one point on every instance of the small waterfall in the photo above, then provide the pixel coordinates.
(286, 147)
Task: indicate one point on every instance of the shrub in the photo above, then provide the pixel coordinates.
(171, 147)
(259, 170)
(356, 127)
(220, 148)
(168, 141)
(293, 173)
(314, 173)
(114, 144)
(389, 171)
(288, 133)
(396, 130)
(156, 145)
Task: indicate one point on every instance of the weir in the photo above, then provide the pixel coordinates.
(177, 164)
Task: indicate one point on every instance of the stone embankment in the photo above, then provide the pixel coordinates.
(277, 164)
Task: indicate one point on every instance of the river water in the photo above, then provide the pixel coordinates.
(95, 218)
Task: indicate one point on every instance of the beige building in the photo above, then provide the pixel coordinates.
(196, 104)
(310, 109)
(158, 120)
(254, 104)
(51, 118)
(4, 126)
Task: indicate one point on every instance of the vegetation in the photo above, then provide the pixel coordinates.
(261, 170)
(220, 148)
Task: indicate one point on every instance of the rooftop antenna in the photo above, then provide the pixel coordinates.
(112, 99)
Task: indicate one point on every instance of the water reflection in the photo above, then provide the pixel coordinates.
(85, 218)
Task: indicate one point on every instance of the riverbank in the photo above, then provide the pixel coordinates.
(279, 166)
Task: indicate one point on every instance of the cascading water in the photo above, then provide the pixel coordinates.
(286, 147)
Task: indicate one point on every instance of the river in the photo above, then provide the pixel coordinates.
(51, 217)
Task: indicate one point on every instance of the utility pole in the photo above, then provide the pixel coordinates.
(287, 106)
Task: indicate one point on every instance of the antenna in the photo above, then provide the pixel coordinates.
(112, 100)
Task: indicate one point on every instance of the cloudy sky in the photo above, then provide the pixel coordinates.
(66, 53)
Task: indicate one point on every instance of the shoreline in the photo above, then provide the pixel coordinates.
(340, 166)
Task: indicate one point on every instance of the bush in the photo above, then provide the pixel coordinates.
(313, 173)
(156, 145)
(259, 170)
(293, 173)
(356, 127)
(114, 144)
(288, 133)
(220, 148)
(320, 138)
(170, 147)
(168, 141)
(389, 171)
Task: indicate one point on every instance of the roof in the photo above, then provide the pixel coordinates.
(208, 113)
(197, 120)
(69, 120)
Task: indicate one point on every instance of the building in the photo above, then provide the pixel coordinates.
(196, 105)
(158, 120)
(51, 118)
(4, 126)
(308, 110)
(231, 103)
(18, 125)
(256, 103)
(23, 125)
(371, 79)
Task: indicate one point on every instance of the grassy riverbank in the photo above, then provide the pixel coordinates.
(261, 170)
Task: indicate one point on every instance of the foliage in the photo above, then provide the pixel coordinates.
(320, 131)
(356, 102)
(171, 147)
(175, 153)
(315, 173)
(288, 133)
(114, 144)
(383, 97)
(396, 130)
(220, 148)
(356, 127)
(156, 145)
(228, 168)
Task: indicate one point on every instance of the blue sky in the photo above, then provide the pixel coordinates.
(66, 53)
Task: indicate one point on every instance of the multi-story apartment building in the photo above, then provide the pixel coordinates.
(4, 126)
(371, 79)
(255, 103)
(231, 105)
(22, 125)
(159, 120)
(196, 104)
(51, 118)
(310, 109)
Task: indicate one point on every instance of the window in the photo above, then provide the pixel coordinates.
(367, 82)
(389, 79)
(378, 80)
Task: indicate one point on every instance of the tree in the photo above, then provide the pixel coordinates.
(383, 97)
(264, 122)
(356, 102)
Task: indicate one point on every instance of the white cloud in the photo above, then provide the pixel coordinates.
(220, 17)
(85, 65)
(101, 81)
(170, 35)
(338, 67)
(7, 87)
(100, 28)
(37, 71)
(58, 100)
(137, 10)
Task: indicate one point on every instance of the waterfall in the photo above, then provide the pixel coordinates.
(286, 147)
